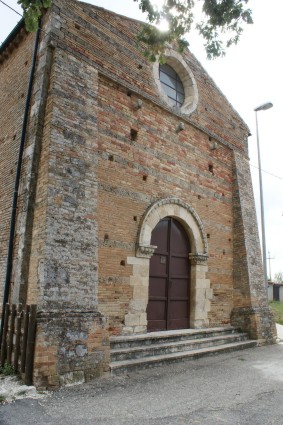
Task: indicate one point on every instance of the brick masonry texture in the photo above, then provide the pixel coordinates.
(67, 272)
(13, 82)
(94, 163)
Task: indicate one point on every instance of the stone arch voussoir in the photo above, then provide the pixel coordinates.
(172, 207)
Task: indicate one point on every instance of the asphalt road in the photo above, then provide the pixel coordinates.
(239, 388)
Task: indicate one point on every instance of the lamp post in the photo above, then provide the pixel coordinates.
(263, 107)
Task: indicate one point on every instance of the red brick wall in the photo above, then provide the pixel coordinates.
(109, 40)
(175, 164)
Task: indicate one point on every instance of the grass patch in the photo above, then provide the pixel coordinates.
(277, 309)
(21, 393)
(2, 399)
(7, 370)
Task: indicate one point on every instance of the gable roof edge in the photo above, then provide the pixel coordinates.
(12, 35)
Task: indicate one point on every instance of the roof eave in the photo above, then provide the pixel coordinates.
(11, 37)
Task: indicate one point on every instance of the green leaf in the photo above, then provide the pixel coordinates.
(32, 10)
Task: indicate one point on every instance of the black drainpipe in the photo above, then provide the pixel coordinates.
(17, 183)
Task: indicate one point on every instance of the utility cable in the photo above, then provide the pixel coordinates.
(20, 14)
(10, 8)
(267, 172)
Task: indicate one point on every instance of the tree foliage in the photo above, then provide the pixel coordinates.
(278, 277)
(32, 10)
(220, 26)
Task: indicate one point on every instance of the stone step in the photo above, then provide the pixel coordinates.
(123, 366)
(137, 340)
(167, 347)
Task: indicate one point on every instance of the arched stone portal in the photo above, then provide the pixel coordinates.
(201, 293)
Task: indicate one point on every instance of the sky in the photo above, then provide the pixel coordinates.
(249, 75)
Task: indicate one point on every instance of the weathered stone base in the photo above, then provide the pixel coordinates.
(71, 347)
(258, 322)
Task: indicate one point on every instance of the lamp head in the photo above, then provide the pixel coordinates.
(264, 107)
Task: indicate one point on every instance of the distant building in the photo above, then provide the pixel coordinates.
(135, 209)
(275, 291)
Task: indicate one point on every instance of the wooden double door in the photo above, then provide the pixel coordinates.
(169, 277)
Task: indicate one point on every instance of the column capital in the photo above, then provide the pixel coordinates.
(145, 251)
(198, 259)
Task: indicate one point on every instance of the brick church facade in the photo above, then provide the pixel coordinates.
(134, 213)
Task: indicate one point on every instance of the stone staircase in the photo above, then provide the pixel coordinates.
(154, 348)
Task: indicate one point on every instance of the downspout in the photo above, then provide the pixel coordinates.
(17, 183)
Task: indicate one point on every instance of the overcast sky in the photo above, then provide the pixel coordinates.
(250, 75)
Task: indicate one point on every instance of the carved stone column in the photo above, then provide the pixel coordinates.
(136, 320)
(201, 293)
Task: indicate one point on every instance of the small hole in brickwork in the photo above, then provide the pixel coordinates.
(199, 197)
(209, 138)
(134, 134)
(111, 158)
(144, 178)
(106, 237)
(129, 93)
(14, 136)
(11, 172)
(77, 26)
(122, 263)
(26, 62)
(208, 236)
(22, 95)
(223, 194)
(210, 168)
(224, 252)
(229, 239)
(140, 66)
(135, 218)
(205, 109)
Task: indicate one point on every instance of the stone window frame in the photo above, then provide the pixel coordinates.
(200, 290)
(176, 61)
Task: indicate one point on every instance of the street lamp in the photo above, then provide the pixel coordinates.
(263, 107)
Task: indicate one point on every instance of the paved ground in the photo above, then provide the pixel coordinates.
(279, 329)
(244, 388)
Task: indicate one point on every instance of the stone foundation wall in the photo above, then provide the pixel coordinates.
(71, 347)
